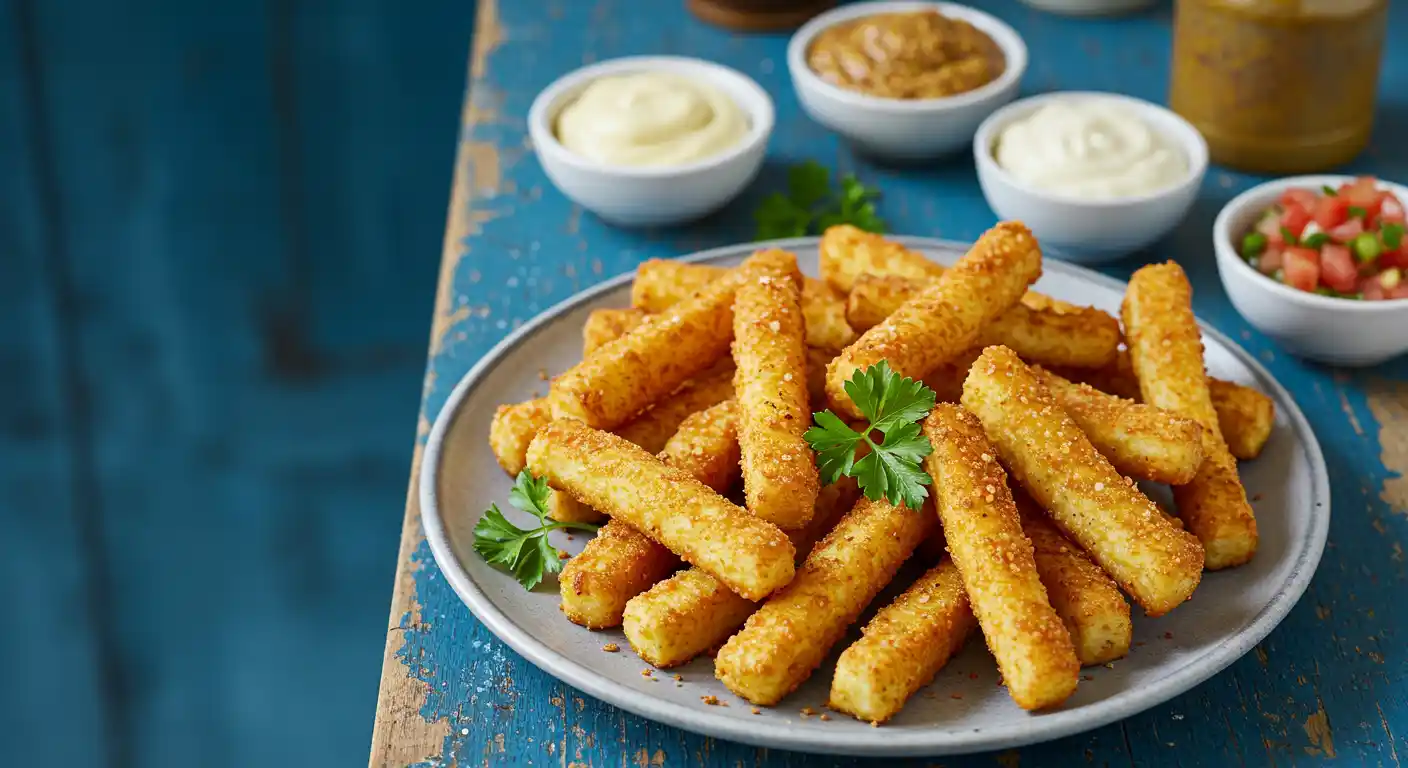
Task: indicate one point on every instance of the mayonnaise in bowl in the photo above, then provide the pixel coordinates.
(1089, 149)
(650, 119)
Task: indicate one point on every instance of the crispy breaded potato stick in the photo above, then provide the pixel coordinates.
(512, 429)
(786, 640)
(750, 556)
(1077, 337)
(604, 326)
(903, 647)
(1166, 351)
(662, 283)
(621, 562)
(652, 429)
(946, 317)
(635, 371)
(691, 612)
(1085, 597)
(1244, 415)
(848, 252)
(1154, 561)
(780, 478)
(985, 539)
(1139, 440)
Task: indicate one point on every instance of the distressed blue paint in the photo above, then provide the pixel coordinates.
(1339, 652)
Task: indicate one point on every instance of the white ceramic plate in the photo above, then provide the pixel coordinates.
(964, 709)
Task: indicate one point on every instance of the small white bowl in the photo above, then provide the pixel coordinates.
(1091, 231)
(637, 197)
(1326, 329)
(904, 129)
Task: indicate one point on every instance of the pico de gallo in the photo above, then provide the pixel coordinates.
(1346, 242)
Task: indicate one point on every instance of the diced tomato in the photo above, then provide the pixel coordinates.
(1302, 268)
(1372, 290)
(1331, 211)
(1337, 268)
(1398, 257)
(1363, 193)
(1294, 218)
(1401, 292)
(1272, 259)
(1298, 197)
(1347, 231)
(1391, 209)
(1270, 226)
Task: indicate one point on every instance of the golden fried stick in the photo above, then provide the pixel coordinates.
(787, 638)
(1078, 337)
(1154, 561)
(780, 478)
(1139, 440)
(662, 283)
(635, 371)
(512, 429)
(903, 647)
(750, 556)
(985, 539)
(621, 562)
(1166, 351)
(652, 430)
(848, 252)
(1244, 415)
(691, 612)
(1085, 597)
(604, 326)
(946, 317)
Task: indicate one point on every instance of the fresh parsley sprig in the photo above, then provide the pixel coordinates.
(891, 470)
(527, 553)
(810, 205)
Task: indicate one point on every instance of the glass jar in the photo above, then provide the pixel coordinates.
(1278, 86)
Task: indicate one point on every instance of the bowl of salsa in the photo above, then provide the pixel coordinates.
(1309, 259)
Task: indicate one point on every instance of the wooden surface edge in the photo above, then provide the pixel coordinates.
(400, 734)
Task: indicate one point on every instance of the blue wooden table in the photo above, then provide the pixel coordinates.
(1328, 683)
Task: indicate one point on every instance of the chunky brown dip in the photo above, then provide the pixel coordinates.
(918, 55)
(1278, 86)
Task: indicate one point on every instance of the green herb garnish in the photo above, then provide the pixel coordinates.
(1316, 240)
(893, 405)
(1253, 243)
(1289, 236)
(527, 553)
(1328, 190)
(1355, 212)
(1392, 235)
(810, 205)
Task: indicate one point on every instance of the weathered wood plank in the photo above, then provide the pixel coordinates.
(1326, 684)
(51, 653)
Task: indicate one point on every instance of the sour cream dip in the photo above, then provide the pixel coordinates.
(650, 119)
(1091, 150)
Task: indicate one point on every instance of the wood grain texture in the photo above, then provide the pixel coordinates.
(1327, 684)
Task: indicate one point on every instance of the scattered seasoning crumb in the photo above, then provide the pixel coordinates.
(1087, 678)
(825, 718)
(1109, 665)
(647, 673)
(955, 695)
(756, 711)
(1257, 497)
(808, 711)
(611, 648)
(712, 701)
(543, 374)
(678, 677)
(1168, 635)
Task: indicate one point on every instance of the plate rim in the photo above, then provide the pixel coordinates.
(884, 742)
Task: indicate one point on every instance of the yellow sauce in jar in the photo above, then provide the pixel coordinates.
(915, 55)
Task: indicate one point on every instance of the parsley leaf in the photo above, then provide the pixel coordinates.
(893, 405)
(811, 206)
(1356, 212)
(1392, 235)
(527, 553)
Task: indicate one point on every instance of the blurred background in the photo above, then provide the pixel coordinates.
(220, 225)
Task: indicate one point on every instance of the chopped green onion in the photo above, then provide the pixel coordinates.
(1288, 236)
(1366, 247)
(1355, 212)
(1392, 235)
(1316, 240)
(1253, 243)
(1329, 190)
